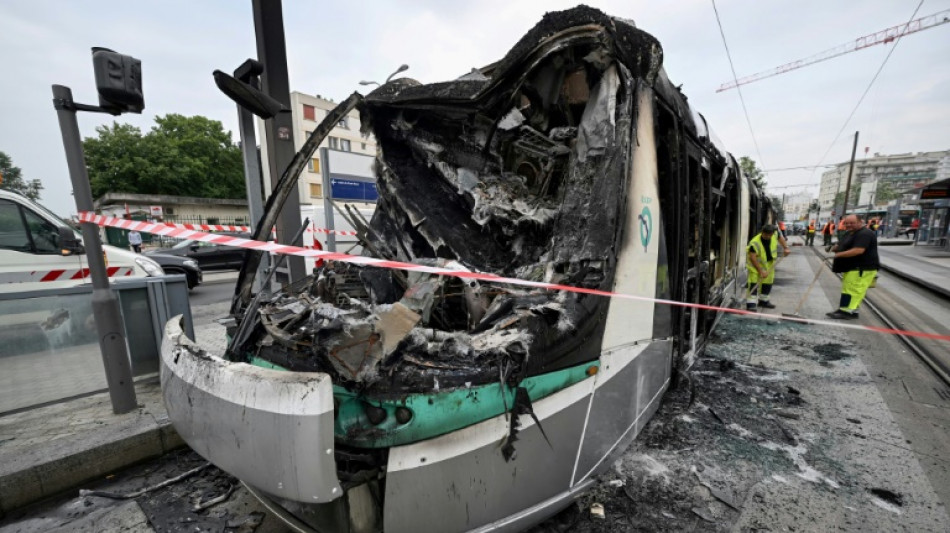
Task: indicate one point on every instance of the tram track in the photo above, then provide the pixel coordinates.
(922, 349)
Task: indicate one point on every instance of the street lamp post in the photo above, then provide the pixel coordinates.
(402, 68)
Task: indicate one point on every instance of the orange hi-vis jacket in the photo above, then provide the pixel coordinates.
(828, 228)
(811, 227)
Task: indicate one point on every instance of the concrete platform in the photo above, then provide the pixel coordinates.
(928, 266)
(48, 450)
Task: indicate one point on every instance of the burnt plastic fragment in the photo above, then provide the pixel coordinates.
(521, 406)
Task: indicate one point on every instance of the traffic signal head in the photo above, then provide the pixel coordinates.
(118, 80)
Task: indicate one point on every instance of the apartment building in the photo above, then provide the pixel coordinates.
(895, 173)
(308, 112)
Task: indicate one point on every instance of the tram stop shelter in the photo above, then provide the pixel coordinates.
(933, 201)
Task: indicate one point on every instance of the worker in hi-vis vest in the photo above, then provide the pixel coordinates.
(827, 231)
(810, 235)
(762, 256)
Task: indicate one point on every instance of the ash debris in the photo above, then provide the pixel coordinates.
(728, 430)
(159, 495)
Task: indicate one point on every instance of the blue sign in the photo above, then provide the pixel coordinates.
(353, 189)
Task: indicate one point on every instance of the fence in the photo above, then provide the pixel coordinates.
(120, 237)
(49, 349)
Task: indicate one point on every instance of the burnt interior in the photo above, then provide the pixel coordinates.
(519, 170)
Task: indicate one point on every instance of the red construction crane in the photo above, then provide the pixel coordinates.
(881, 37)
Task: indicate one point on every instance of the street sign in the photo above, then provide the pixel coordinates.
(352, 189)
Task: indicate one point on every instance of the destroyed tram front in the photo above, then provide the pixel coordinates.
(372, 399)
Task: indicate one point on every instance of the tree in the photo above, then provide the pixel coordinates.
(853, 197)
(778, 207)
(749, 168)
(11, 179)
(179, 156)
(885, 193)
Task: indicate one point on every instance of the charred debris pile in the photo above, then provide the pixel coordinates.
(518, 170)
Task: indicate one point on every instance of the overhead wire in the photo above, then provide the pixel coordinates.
(866, 91)
(722, 33)
(807, 167)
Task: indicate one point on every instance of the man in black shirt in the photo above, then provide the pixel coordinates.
(856, 258)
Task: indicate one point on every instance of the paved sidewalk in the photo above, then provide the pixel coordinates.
(50, 449)
(926, 265)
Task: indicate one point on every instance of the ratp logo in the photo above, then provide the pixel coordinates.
(646, 227)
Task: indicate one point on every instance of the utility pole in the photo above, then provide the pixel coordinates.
(272, 53)
(105, 304)
(847, 188)
(249, 72)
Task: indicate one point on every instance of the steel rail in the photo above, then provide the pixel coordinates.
(940, 369)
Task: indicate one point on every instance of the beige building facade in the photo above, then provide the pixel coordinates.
(308, 112)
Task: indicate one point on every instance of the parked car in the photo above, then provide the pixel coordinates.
(210, 256)
(176, 264)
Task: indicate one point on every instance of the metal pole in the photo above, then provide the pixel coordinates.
(847, 188)
(272, 52)
(327, 198)
(252, 180)
(105, 304)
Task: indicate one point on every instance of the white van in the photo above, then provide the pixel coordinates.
(32, 254)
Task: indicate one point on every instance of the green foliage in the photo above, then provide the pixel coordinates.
(13, 180)
(778, 207)
(180, 156)
(749, 168)
(885, 193)
(853, 197)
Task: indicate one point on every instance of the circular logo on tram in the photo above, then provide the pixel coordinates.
(646, 226)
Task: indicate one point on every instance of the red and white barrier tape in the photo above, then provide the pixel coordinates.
(59, 275)
(161, 229)
(247, 229)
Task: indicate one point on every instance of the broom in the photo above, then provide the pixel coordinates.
(798, 307)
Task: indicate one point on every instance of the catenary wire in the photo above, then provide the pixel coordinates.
(738, 89)
(865, 93)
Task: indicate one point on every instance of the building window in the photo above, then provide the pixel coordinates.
(362, 146)
(316, 190)
(309, 112)
(306, 135)
(314, 165)
(334, 143)
(345, 145)
(343, 123)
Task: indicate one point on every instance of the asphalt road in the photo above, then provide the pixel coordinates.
(212, 292)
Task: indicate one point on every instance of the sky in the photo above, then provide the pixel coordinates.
(795, 117)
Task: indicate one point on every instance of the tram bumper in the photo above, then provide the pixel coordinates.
(271, 429)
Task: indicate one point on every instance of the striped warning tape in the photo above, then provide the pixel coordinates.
(27, 276)
(181, 233)
(247, 229)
